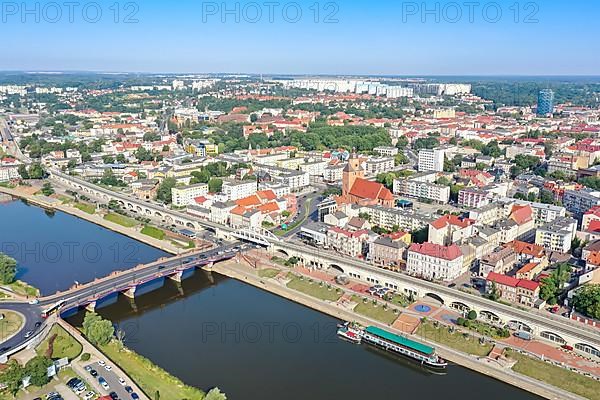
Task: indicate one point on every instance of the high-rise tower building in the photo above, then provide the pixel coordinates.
(545, 102)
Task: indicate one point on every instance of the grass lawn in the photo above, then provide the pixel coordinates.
(64, 345)
(121, 220)
(268, 272)
(400, 299)
(64, 199)
(149, 377)
(455, 340)
(153, 232)
(85, 207)
(11, 323)
(378, 313)
(313, 289)
(556, 376)
(24, 289)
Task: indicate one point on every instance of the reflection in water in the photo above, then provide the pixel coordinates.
(53, 250)
(255, 345)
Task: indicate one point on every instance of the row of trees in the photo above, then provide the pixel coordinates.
(553, 285)
(35, 171)
(8, 269)
(36, 369)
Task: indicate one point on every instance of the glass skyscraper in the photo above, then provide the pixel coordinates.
(545, 102)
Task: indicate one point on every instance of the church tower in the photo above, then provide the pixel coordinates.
(352, 171)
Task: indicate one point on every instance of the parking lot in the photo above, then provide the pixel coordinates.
(115, 384)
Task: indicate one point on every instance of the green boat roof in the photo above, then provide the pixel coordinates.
(421, 348)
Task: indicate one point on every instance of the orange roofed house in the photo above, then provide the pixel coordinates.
(358, 190)
(433, 261)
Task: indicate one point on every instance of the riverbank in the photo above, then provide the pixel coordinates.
(244, 274)
(57, 205)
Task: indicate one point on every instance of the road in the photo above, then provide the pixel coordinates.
(32, 315)
(548, 322)
(307, 208)
(545, 322)
(99, 289)
(7, 137)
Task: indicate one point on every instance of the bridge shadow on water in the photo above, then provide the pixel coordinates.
(171, 292)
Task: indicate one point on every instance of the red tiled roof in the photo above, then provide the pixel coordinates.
(502, 279)
(252, 200)
(594, 258)
(521, 214)
(268, 208)
(527, 284)
(594, 226)
(530, 249)
(266, 194)
(451, 252)
(366, 189)
(449, 219)
(527, 267)
(239, 210)
(512, 282)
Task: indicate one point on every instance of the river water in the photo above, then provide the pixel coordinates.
(215, 331)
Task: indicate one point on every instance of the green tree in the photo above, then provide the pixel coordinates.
(591, 181)
(215, 394)
(23, 171)
(12, 377)
(98, 330)
(37, 370)
(8, 269)
(400, 159)
(587, 301)
(108, 159)
(215, 185)
(164, 190)
(109, 179)
(121, 158)
(36, 171)
(494, 293)
(553, 285)
(47, 189)
(472, 315)
(387, 179)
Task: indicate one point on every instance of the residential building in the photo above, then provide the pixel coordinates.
(422, 190)
(431, 160)
(375, 166)
(580, 201)
(500, 261)
(435, 262)
(388, 218)
(386, 151)
(513, 290)
(557, 235)
(545, 104)
(184, 195)
(386, 252)
(450, 229)
(235, 190)
(347, 242)
(473, 198)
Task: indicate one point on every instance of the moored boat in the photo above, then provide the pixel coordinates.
(349, 333)
(423, 354)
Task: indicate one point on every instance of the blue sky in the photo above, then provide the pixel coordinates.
(369, 37)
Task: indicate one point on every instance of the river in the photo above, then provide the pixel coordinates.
(215, 331)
